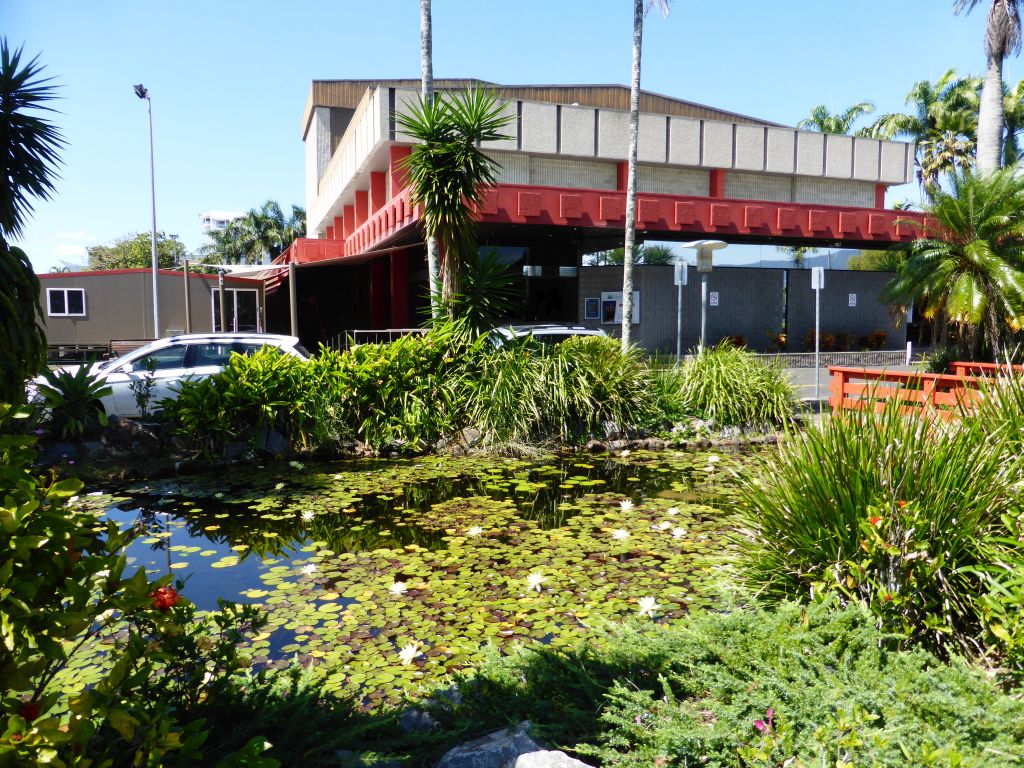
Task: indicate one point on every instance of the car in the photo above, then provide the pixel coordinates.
(545, 333)
(186, 357)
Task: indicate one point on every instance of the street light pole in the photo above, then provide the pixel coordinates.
(142, 93)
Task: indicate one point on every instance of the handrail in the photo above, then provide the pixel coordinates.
(947, 396)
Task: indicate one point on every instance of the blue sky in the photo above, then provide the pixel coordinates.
(229, 81)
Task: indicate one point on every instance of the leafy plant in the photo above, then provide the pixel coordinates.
(890, 512)
(142, 388)
(73, 401)
(63, 583)
(730, 387)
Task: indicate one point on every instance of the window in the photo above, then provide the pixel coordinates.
(242, 308)
(65, 302)
(162, 359)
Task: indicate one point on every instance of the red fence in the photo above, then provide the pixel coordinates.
(944, 395)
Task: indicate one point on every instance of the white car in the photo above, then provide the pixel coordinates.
(545, 333)
(177, 359)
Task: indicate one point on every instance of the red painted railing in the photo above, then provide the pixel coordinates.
(943, 395)
(984, 369)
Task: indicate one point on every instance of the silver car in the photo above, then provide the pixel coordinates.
(177, 359)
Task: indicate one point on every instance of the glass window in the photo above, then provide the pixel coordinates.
(162, 359)
(241, 306)
(211, 354)
(65, 302)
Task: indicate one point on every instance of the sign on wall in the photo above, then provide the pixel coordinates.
(817, 278)
(611, 307)
(853, 299)
(592, 308)
(713, 298)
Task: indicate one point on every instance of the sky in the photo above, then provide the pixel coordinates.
(229, 81)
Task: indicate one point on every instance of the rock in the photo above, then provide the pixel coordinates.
(495, 750)
(611, 429)
(448, 697)
(235, 451)
(271, 442)
(471, 437)
(617, 445)
(416, 720)
(596, 446)
(548, 759)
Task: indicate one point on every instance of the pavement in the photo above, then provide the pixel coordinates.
(803, 380)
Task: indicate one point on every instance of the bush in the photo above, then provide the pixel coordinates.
(72, 400)
(890, 512)
(795, 686)
(64, 588)
(728, 386)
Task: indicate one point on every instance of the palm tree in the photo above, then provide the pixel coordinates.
(824, 121)
(1002, 37)
(449, 173)
(948, 105)
(798, 253)
(427, 95)
(634, 126)
(971, 266)
(1013, 117)
(29, 147)
(260, 236)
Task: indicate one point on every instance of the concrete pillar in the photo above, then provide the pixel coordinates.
(362, 208)
(378, 191)
(716, 183)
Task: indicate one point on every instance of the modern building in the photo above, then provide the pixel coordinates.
(703, 173)
(91, 309)
(217, 221)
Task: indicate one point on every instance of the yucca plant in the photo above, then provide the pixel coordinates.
(72, 399)
(889, 511)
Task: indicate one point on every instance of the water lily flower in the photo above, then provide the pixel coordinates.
(678, 533)
(398, 588)
(535, 579)
(664, 525)
(308, 515)
(279, 486)
(476, 530)
(625, 505)
(626, 452)
(620, 534)
(672, 511)
(296, 465)
(648, 605)
(410, 652)
(713, 459)
(309, 568)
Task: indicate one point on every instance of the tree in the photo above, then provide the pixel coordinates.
(970, 264)
(947, 106)
(645, 254)
(135, 251)
(634, 127)
(29, 158)
(798, 253)
(1013, 117)
(427, 95)
(823, 121)
(258, 237)
(878, 261)
(449, 173)
(1002, 37)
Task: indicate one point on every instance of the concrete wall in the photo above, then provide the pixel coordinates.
(751, 302)
(869, 315)
(119, 305)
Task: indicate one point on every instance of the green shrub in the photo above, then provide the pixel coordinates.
(730, 387)
(73, 402)
(795, 686)
(891, 512)
(527, 391)
(64, 587)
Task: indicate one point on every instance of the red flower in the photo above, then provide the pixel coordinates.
(29, 710)
(888, 598)
(874, 520)
(901, 503)
(165, 598)
(768, 723)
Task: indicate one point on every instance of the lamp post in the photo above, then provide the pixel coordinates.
(142, 93)
(704, 250)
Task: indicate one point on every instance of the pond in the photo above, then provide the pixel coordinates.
(383, 576)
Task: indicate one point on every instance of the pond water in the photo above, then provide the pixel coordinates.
(355, 562)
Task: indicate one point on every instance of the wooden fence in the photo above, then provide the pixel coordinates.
(947, 396)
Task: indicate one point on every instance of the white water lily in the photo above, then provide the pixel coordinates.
(648, 605)
(296, 465)
(410, 652)
(308, 569)
(672, 511)
(620, 534)
(625, 505)
(476, 530)
(625, 452)
(308, 515)
(398, 588)
(678, 532)
(664, 525)
(535, 579)
(713, 459)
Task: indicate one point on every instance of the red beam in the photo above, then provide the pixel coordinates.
(378, 191)
(399, 176)
(362, 205)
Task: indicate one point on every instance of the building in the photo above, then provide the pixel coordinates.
(217, 221)
(703, 173)
(90, 309)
